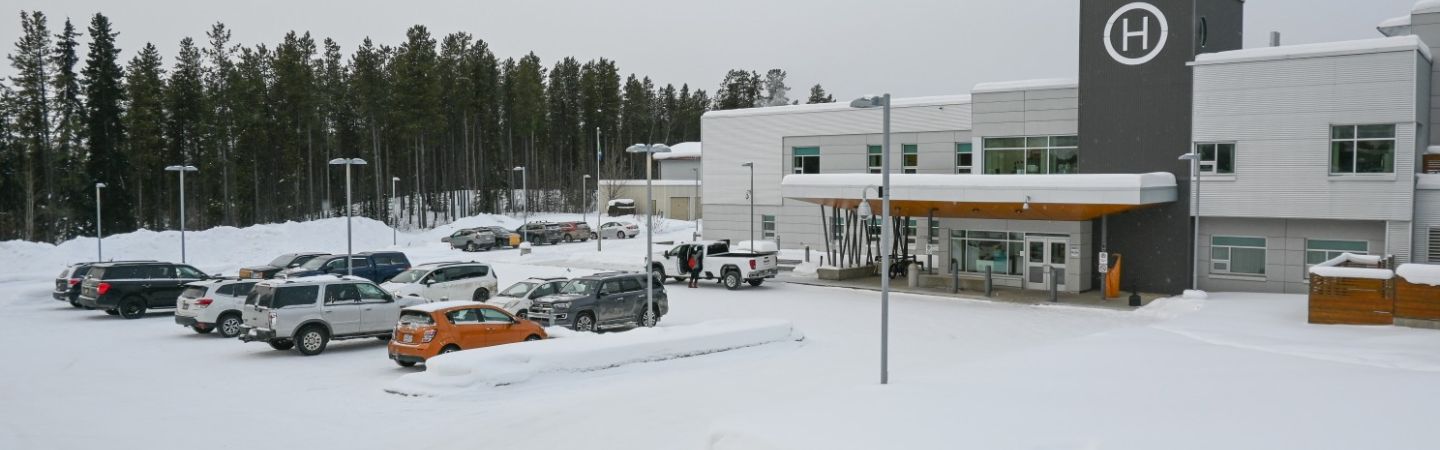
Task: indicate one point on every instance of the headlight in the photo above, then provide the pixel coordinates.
(561, 305)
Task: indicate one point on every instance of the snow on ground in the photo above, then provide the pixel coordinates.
(1229, 371)
(585, 352)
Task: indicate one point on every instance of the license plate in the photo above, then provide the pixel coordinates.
(409, 338)
(184, 306)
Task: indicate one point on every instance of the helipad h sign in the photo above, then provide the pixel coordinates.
(1136, 33)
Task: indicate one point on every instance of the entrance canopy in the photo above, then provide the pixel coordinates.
(1018, 197)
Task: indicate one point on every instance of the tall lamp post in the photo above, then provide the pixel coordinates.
(349, 209)
(1194, 159)
(695, 203)
(649, 151)
(182, 168)
(394, 219)
(524, 227)
(99, 234)
(583, 181)
(598, 153)
(883, 102)
(750, 194)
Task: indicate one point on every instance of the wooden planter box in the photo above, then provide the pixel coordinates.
(1351, 301)
(846, 273)
(1416, 301)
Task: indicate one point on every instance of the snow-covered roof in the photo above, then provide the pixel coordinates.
(1068, 189)
(1025, 85)
(655, 182)
(1333, 268)
(910, 102)
(683, 150)
(437, 306)
(1395, 26)
(1427, 181)
(1428, 274)
(621, 201)
(1340, 48)
(1425, 6)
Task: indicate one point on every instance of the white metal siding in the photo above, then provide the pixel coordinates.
(1038, 112)
(1427, 217)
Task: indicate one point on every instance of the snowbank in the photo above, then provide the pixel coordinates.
(583, 352)
(1332, 267)
(1428, 274)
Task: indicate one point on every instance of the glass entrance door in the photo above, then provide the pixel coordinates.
(1041, 254)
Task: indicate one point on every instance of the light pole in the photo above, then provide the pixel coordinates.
(598, 153)
(394, 220)
(99, 235)
(1194, 159)
(583, 181)
(525, 226)
(883, 102)
(182, 169)
(349, 208)
(750, 194)
(649, 151)
(695, 198)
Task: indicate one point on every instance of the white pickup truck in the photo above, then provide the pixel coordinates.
(720, 262)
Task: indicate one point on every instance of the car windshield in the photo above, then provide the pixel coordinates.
(517, 289)
(281, 261)
(410, 276)
(315, 264)
(582, 287)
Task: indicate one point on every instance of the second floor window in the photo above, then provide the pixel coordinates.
(873, 157)
(964, 159)
(912, 157)
(767, 226)
(1362, 149)
(1216, 158)
(1033, 154)
(807, 159)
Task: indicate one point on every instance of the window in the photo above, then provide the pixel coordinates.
(1237, 255)
(997, 250)
(544, 290)
(911, 157)
(464, 316)
(873, 228)
(1035, 155)
(964, 159)
(874, 158)
(1362, 149)
(629, 284)
(371, 293)
(293, 296)
(189, 272)
(911, 228)
(1321, 250)
(934, 237)
(1433, 247)
(837, 228)
(341, 293)
(493, 316)
(767, 226)
(807, 159)
(1216, 158)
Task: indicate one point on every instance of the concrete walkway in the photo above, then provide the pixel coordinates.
(1001, 294)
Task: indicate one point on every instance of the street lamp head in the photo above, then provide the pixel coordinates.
(180, 168)
(99, 185)
(394, 178)
(1026, 206)
(748, 164)
(519, 168)
(864, 210)
(587, 176)
(1188, 156)
(651, 148)
(348, 162)
(869, 101)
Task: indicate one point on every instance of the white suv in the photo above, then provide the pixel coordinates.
(517, 298)
(208, 305)
(312, 311)
(445, 281)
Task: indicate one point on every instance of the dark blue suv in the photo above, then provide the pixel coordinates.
(374, 266)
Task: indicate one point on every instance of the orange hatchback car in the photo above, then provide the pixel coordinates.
(431, 329)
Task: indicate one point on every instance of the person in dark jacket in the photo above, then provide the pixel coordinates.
(695, 264)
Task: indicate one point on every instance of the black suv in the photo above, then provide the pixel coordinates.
(600, 301)
(541, 233)
(67, 284)
(282, 262)
(131, 288)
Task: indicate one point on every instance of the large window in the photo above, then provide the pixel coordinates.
(1237, 255)
(1362, 149)
(1035, 154)
(1321, 250)
(837, 228)
(911, 157)
(997, 250)
(807, 159)
(911, 231)
(873, 158)
(767, 226)
(964, 159)
(1216, 158)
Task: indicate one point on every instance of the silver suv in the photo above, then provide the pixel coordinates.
(312, 311)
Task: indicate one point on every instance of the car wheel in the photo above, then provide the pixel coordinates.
(756, 282)
(405, 363)
(132, 308)
(619, 235)
(229, 325)
(311, 340)
(657, 273)
(282, 344)
(471, 247)
(594, 235)
(385, 337)
(452, 348)
(731, 280)
(481, 295)
(648, 318)
(76, 304)
(585, 322)
(532, 337)
(112, 312)
(523, 314)
(569, 239)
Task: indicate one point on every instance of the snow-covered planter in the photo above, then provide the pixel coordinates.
(1352, 289)
(1417, 292)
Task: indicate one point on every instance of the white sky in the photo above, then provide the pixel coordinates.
(852, 47)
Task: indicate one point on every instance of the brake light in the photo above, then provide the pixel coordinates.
(74, 281)
(204, 302)
(752, 264)
(429, 336)
(102, 288)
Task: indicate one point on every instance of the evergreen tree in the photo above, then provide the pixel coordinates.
(600, 80)
(667, 106)
(69, 127)
(776, 92)
(738, 90)
(186, 108)
(144, 123)
(219, 85)
(417, 97)
(33, 119)
(567, 138)
(105, 131)
(818, 95)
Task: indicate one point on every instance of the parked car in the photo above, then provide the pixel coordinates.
(471, 239)
(504, 237)
(425, 331)
(311, 312)
(210, 305)
(601, 301)
(575, 231)
(541, 233)
(620, 207)
(731, 267)
(373, 266)
(516, 299)
(445, 281)
(618, 230)
(67, 284)
(129, 289)
(282, 262)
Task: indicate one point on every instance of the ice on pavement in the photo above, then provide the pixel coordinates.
(584, 352)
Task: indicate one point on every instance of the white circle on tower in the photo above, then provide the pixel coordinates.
(1151, 49)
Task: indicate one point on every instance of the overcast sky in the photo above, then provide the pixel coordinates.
(852, 47)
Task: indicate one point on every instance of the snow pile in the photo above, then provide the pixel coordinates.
(1428, 274)
(756, 246)
(683, 150)
(1172, 307)
(1333, 268)
(1195, 294)
(583, 352)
